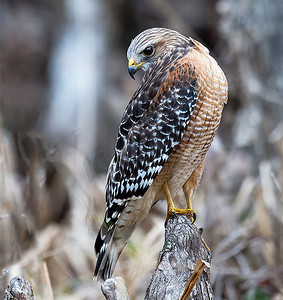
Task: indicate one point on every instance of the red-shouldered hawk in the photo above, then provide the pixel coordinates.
(163, 137)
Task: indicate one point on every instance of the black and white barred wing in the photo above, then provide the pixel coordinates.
(152, 125)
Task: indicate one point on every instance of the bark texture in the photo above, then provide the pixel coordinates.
(182, 249)
(183, 269)
(115, 289)
(18, 289)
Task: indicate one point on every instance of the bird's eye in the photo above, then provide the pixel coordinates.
(148, 51)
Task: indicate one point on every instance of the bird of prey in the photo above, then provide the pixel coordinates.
(163, 137)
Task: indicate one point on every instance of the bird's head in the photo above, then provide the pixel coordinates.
(149, 45)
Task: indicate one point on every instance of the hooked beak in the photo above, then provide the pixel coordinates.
(133, 67)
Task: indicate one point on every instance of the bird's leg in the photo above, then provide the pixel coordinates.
(172, 209)
(190, 185)
(189, 203)
(187, 188)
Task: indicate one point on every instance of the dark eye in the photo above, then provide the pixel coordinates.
(148, 51)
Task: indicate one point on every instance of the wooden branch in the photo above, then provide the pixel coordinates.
(183, 253)
(183, 269)
(114, 289)
(18, 289)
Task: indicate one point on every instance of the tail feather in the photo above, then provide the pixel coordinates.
(109, 242)
(108, 251)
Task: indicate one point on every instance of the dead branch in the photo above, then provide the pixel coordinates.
(183, 269)
(18, 289)
(115, 289)
(180, 273)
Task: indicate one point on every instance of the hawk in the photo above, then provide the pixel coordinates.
(163, 137)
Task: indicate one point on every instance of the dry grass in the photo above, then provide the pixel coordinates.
(244, 229)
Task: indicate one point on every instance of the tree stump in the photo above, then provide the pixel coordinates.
(183, 269)
(182, 250)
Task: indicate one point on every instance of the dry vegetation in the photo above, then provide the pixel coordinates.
(52, 195)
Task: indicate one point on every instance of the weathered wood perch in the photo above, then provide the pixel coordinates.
(18, 289)
(183, 269)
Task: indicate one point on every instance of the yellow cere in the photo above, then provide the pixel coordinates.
(132, 62)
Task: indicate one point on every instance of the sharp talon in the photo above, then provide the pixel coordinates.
(173, 210)
(200, 230)
(194, 217)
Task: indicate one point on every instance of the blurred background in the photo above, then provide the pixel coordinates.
(64, 86)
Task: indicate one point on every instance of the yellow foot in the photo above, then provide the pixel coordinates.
(190, 213)
(172, 209)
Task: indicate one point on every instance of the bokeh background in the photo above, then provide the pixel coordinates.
(64, 86)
